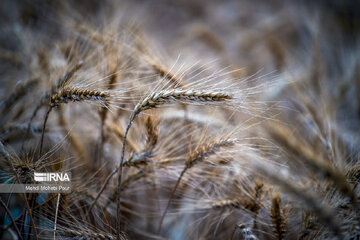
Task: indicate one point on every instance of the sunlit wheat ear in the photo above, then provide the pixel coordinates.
(277, 218)
(199, 155)
(178, 95)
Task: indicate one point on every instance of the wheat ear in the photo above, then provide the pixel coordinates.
(199, 155)
(71, 94)
(277, 218)
(170, 96)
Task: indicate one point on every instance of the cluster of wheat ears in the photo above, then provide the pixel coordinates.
(172, 148)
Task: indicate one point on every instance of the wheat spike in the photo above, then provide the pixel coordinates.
(168, 96)
(277, 218)
(76, 95)
(207, 149)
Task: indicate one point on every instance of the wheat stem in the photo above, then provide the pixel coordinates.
(56, 214)
(11, 218)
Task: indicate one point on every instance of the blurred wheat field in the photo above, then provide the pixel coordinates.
(181, 119)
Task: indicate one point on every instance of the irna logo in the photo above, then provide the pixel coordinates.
(52, 177)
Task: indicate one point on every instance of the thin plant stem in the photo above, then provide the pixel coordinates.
(56, 214)
(118, 213)
(43, 129)
(11, 218)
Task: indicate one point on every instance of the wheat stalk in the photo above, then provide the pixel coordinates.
(11, 218)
